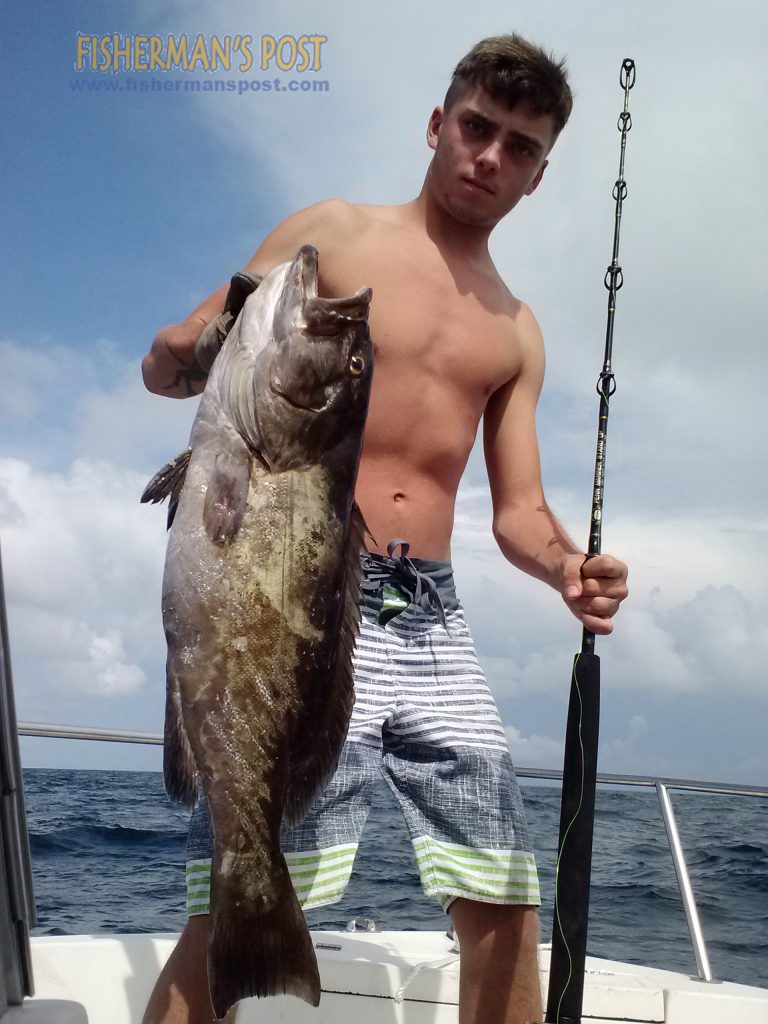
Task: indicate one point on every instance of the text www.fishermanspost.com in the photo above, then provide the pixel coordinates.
(162, 84)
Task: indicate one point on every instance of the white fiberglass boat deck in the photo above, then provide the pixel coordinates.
(381, 977)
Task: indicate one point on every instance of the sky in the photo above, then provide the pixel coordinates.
(125, 206)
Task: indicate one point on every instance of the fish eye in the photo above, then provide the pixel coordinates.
(356, 365)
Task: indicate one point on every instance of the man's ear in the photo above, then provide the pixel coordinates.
(433, 128)
(535, 183)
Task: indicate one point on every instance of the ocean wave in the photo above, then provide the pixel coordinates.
(90, 837)
(95, 870)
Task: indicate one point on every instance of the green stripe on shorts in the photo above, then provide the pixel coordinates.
(490, 876)
(198, 886)
(321, 876)
(318, 876)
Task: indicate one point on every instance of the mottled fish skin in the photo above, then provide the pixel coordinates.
(260, 607)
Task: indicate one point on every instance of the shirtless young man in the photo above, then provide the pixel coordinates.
(452, 345)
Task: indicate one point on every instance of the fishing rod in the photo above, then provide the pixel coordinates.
(577, 809)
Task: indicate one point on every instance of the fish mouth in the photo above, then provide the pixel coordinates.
(297, 405)
(326, 316)
(301, 311)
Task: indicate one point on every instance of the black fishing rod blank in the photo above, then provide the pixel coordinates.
(577, 810)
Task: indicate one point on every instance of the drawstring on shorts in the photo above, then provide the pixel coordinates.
(420, 588)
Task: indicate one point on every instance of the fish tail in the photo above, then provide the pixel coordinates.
(257, 953)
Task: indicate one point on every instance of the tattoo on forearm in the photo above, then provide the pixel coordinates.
(190, 374)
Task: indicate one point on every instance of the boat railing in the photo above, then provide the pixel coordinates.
(17, 905)
(662, 785)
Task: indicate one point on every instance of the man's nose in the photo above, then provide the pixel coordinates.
(490, 157)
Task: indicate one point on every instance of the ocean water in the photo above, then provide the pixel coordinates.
(108, 855)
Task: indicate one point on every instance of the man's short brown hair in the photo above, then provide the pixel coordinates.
(512, 70)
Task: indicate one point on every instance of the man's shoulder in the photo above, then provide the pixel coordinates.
(326, 225)
(520, 318)
(336, 214)
(341, 213)
(522, 333)
(528, 340)
(526, 322)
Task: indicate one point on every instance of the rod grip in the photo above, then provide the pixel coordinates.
(577, 812)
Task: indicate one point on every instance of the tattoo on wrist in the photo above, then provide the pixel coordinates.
(189, 374)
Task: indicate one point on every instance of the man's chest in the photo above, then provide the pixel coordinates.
(427, 325)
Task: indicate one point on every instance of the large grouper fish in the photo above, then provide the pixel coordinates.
(261, 608)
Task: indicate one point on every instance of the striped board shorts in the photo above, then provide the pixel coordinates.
(425, 719)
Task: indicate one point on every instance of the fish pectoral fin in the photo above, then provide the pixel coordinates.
(168, 482)
(320, 740)
(179, 768)
(226, 496)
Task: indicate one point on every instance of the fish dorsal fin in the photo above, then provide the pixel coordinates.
(168, 483)
(315, 759)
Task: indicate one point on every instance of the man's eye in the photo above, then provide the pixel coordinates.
(476, 126)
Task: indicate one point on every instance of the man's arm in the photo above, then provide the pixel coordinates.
(525, 528)
(170, 368)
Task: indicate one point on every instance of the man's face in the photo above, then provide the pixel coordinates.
(486, 156)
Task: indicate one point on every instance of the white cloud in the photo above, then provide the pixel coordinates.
(618, 748)
(127, 425)
(696, 618)
(722, 639)
(72, 657)
(30, 374)
(82, 564)
(715, 639)
(59, 406)
(534, 751)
